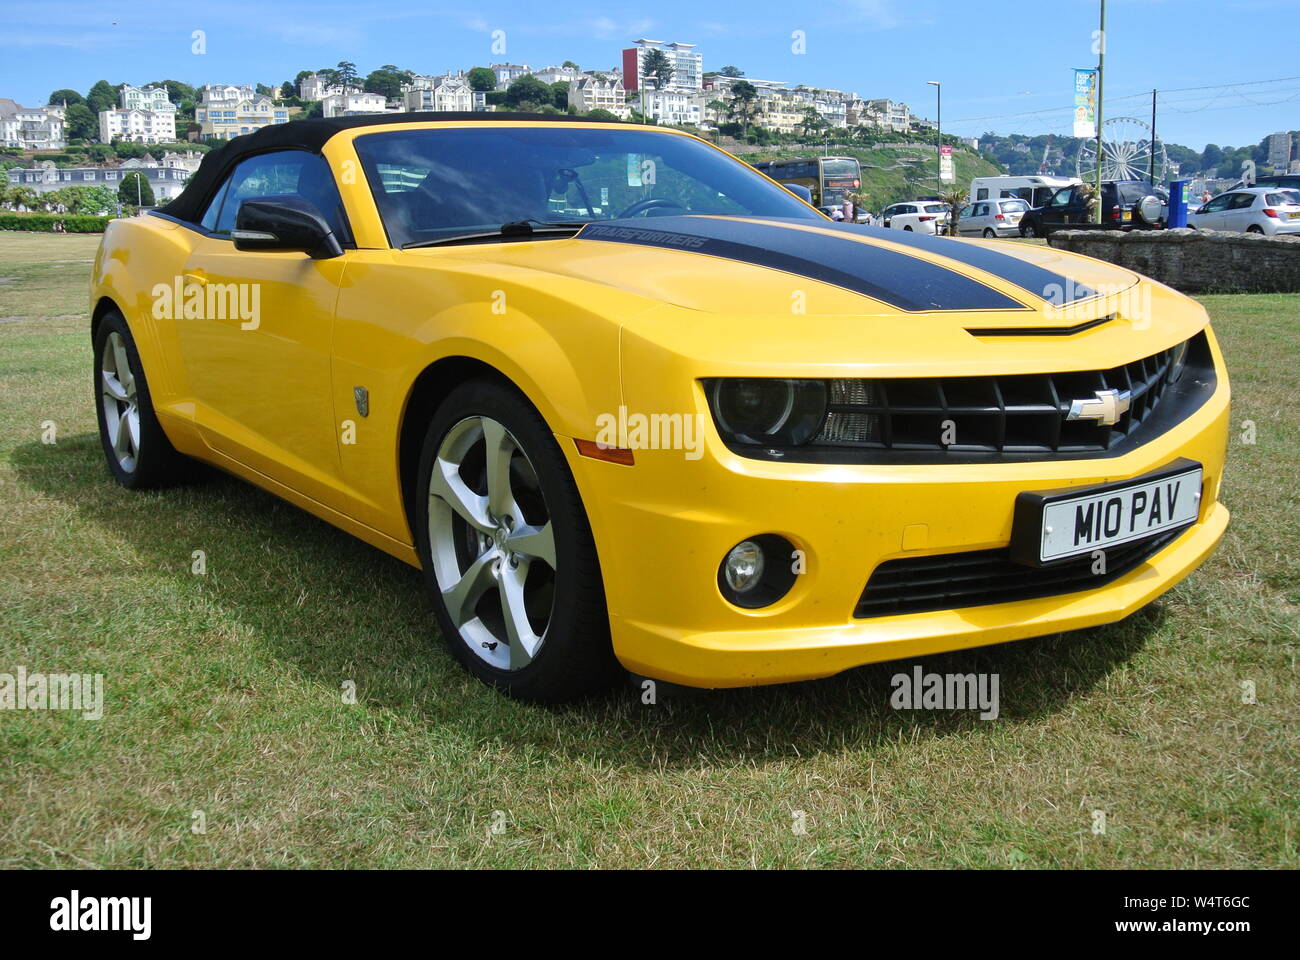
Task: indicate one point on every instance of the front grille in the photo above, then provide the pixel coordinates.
(951, 581)
(1018, 417)
(1002, 414)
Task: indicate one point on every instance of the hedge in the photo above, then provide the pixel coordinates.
(44, 222)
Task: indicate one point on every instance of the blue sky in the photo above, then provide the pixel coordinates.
(1005, 64)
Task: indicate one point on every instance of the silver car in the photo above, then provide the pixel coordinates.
(992, 218)
(1266, 210)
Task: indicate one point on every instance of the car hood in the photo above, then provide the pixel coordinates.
(731, 265)
(786, 289)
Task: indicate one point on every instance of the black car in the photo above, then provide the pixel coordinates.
(1121, 209)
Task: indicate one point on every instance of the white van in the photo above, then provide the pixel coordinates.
(1036, 190)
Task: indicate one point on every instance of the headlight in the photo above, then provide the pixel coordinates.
(767, 411)
(1178, 361)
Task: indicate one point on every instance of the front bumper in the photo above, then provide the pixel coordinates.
(663, 526)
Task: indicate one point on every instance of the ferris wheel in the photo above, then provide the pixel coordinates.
(1128, 147)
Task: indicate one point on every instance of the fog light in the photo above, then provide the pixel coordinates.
(758, 571)
(743, 567)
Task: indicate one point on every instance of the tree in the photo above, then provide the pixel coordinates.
(102, 96)
(176, 91)
(570, 64)
(288, 89)
(79, 200)
(1211, 156)
(731, 72)
(600, 114)
(527, 89)
(657, 69)
(65, 96)
(955, 199)
(329, 77)
(135, 190)
(388, 80)
(812, 122)
(560, 94)
(481, 79)
(744, 103)
(347, 74)
(81, 123)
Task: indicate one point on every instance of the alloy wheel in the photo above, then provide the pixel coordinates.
(119, 402)
(492, 544)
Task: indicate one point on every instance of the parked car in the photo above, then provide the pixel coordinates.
(992, 218)
(916, 217)
(1266, 210)
(604, 439)
(1122, 205)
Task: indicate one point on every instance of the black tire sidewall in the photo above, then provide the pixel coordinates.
(157, 461)
(576, 658)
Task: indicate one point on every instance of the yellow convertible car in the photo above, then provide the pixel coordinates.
(629, 404)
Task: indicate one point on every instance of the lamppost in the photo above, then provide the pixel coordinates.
(1101, 67)
(938, 134)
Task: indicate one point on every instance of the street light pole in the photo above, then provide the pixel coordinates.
(938, 132)
(1101, 65)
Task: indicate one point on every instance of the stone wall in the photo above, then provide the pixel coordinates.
(1195, 261)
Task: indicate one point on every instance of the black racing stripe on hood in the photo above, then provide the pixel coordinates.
(1043, 283)
(903, 281)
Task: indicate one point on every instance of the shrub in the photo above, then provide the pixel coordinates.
(46, 222)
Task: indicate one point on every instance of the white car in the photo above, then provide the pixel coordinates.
(1266, 210)
(918, 216)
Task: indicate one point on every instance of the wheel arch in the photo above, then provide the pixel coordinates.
(429, 389)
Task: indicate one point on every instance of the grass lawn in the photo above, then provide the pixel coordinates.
(223, 690)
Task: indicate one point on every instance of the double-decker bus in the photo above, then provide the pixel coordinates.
(829, 178)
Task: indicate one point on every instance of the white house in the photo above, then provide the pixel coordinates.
(227, 111)
(32, 128)
(593, 93)
(356, 103)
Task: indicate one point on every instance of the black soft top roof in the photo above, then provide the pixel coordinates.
(312, 135)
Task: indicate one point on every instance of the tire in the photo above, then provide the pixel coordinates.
(512, 567)
(1028, 230)
(989, 234)
(1255, 228)
(138, 452)
(907, 229)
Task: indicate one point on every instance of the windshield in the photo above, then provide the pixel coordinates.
(1282, 197)
(432, 185)
(936, 208)
(1013, 206)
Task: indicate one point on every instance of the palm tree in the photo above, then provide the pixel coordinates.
(955, 200)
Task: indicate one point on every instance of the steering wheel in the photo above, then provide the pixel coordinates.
(642, 205)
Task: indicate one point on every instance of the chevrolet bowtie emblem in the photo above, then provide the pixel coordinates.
(1106, 408)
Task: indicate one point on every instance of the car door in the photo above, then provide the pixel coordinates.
(1241, 212)
(966, 220)
(1057, 212)
(1212, 217)
(258, 355)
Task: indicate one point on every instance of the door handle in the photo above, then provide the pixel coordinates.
(195, 276)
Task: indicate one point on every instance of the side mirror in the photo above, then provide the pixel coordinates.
(284, 223)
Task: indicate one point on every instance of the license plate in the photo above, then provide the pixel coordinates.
(1015, 217)
(1059, 525)
(1128, 215)
(1294, 216)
